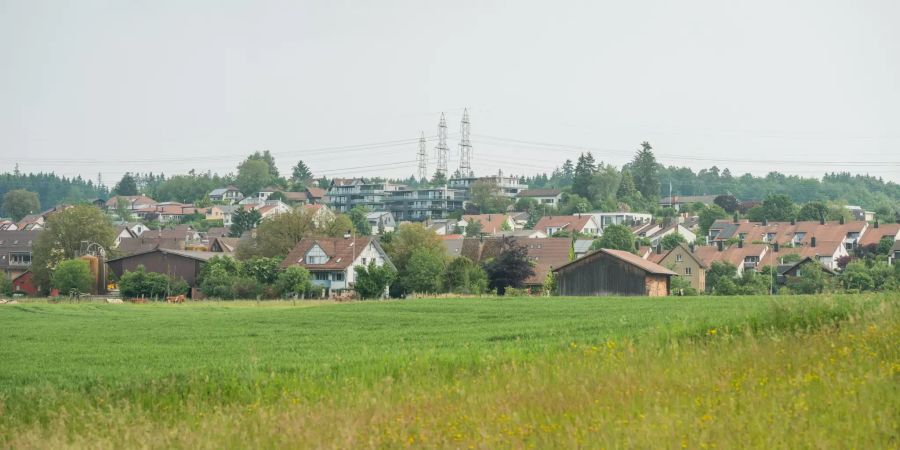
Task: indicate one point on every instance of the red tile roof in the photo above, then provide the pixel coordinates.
(490, 223)
(567, 223)
(340, 251)
(873, 235)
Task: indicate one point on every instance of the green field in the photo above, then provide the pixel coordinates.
(788, 372)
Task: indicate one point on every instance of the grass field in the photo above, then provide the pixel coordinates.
(789, 372)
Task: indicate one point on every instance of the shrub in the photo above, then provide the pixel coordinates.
(372, 280)
(245, 287)
(140, 283)
(217, 283)
(294, 280)
(463, 276)
(72, 275)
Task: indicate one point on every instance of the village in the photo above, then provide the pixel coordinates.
(342, 231)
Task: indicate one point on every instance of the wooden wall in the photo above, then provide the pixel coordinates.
(603, 274)
(169, 264)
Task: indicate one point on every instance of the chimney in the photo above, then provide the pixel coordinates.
(793, 221)
(741, 243)
(822, 220)
(692, 247)
(876, 223)
(812, 241)
(720, 245)
(842, 220)
(775, 247)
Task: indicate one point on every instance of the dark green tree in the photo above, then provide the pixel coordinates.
(358, 216)
(646, 172)
(510, 268)
(372, 281)
(244, 220)
(727, 202)
(671, 241)
(19, 203)
(301, 175)
(127, 186)
(615, 237)
(72, 275)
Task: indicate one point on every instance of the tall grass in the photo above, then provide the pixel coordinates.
(757, 372)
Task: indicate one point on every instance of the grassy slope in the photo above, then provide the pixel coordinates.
(450, 372)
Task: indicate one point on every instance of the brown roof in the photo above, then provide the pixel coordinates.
(130, 246)
(340, 252)
(873, 235)
(16, 241)
(544, 254)
(215, 232)
(139, 199)
(224, 244)
(567, 223)
(490, 223)
(784, 232)
(315, 192)
(630, 258)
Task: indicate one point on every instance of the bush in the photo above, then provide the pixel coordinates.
(462, 276)
(372, 280)
(6, 286)
(141, 283)
(681, 286)
(217, 283)
(72, 275)
(245, 287)
(294, 280)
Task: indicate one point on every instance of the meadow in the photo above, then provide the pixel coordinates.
(788, 372)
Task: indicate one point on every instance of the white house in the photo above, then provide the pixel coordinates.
(333, 261)
(381, 219)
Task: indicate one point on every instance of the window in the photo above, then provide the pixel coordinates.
(364, 261)
(316, 255)
(679, 258)
(687, 271)
(320, 276)
(19, 259)
(339, 276)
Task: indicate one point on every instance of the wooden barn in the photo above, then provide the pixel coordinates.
(612, 272)
(184, 264)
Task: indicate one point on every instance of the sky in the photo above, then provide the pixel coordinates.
(107, 87)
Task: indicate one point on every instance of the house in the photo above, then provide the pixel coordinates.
(123, 232)
(223, 244)
(15, 251)
(320, 213)
(167, 212)
(443, 227)
(182, 237)
(612, 272)
(315, 196)
(228, 194)
(8, 225)
(645, 229)
(531, 234)
(786, 272)
(225, 213)
(675, 228)
(491, 224)
(272, 208)
(742, 256)
(859, 213)
(629, 219)
(683, 262)
(24, 284)
(544, 254)
(381, 220)
(582, 247)
(332, 261)
(874, 234)
(132, 202)
(895, 253)
(548, 197)
(184, 264)
(581, 223)
(791, 233)
(678, 202)
(31, 222)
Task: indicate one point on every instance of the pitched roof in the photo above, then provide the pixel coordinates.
(539, 193)
(490, 223)
(315, 192)
(16, 241)
(192, 254)
(340, 252)
(873, 235)
(544, 254)
(659, 257)
(630, 258)
(684, 199)
(785, 232)
(224, 244)
(138, 199)
(567, 223)
(294, 196)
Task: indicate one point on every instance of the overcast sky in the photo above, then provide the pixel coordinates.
(803, 87)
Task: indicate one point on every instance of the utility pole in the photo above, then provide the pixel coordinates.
(441, 148)
(465, 147)
(420, 157)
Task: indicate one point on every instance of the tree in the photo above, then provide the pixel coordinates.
(424, 270)
(671, 241)
(372, 281)
(253, 175)
(301, 175)
(510, 268)
(62, 238)
(337, 227)
(813, 211)
(615, 237)
(462, 276)
(526, 204)
(474, 229)
(217, 283)
(719, 271)
(244, 220)
(810, 279)
(708, 216)
(267, 158)
(401, 245)
(646, 172)
(126, 186)
(575, 204)
(488, 196)
(140, 283)
(681, 286)
(627, 189)
(19, 203)
(727, 202)
(294, 281)
(263, 270)
(439, 178)
(358, 216)
(885, 245)
(776, 207)
(72, 275)
(276, 237)
(584, 171)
